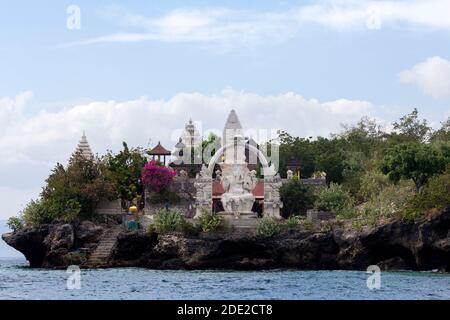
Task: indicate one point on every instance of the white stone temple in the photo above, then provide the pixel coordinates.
(83, 148)
(190, 137)
(236, 179)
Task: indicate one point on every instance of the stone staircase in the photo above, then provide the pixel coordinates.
(101, 254)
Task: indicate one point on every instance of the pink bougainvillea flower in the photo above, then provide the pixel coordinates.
(156, 177)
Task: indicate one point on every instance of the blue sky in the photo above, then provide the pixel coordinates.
(137, 71)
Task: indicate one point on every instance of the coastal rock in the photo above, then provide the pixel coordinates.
(420, 245)
(31, 242)
(60, 237)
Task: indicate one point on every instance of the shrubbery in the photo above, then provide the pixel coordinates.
(168, 221)
(269, 227)
(336, 199)
(208, 222)
(15, 223)
(387, 203)
(435, 195)
(296, 197)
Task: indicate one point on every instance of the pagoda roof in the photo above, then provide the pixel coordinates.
(159, 150)
(83, 148)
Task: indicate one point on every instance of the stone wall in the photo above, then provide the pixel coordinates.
(109, 207)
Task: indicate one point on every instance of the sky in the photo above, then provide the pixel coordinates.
(136, 71)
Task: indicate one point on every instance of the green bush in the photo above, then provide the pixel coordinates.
(292, 222)
(307, 224)
(435, 195)
(336, 199)
(165, 196)
(388, 203)
(269, 227)
(372, 183)
(169, 221)
(37, 213)
(208, 222)
(15, 223)
(296, 197)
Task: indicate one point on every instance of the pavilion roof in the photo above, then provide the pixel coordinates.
(159, 150)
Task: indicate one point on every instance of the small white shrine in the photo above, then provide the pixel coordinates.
(236, 179)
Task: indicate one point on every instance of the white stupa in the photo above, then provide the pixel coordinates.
(84, 149)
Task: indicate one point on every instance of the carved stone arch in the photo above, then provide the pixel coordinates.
(221, 151)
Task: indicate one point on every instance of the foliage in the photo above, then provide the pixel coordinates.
(156, 177)
(164, 196)
(209, 147)
(15, 223)
(387, 203)
(411, 128)
(292, 222)
(71, 192)
(435, 195)
(124, 170)
(443, 133)
(168, 221)
(296, 197)
(308, 224)
(269, 227)
(412, 161)
(36, 213)
(208, 222)
(334, 198)
(372, 182)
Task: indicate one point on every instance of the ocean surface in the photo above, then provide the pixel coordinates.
(18, 281)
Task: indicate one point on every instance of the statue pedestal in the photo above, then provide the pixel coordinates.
(237, 215)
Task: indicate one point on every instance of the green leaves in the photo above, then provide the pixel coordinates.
(296, 197)
(413, 161)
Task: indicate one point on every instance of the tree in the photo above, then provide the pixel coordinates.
(412, 128)
(330, 158)
(296, 197)
(124, 170)
(413, 161)
(76, 190)
(443, 133)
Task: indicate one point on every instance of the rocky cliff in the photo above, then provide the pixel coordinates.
(420, 245)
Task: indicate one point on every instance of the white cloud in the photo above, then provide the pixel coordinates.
(230, 28)
(31, 144)
(432, 76)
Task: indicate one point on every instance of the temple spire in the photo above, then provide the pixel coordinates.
(232, 128)
(83, 148)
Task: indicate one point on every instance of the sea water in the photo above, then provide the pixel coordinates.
(18, 281)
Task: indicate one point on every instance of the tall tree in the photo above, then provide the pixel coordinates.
(412, 161)
(412, 128)
(124, 170)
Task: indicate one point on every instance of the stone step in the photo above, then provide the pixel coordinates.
(101, 254)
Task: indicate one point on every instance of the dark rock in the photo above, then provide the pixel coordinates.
(87, 232)
(31, 242)
(60, 236)
(396, 263)
(420, 245)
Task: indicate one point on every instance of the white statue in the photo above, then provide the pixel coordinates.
(238, 182)
(289, 174)
(204, 172)
(183, 174)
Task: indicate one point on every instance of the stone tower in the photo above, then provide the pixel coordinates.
(233, 134)
(84, 149)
